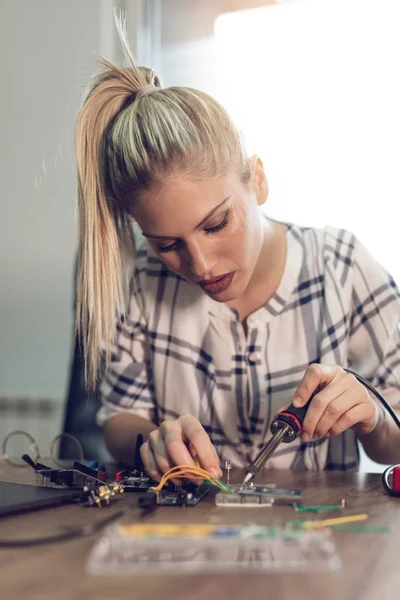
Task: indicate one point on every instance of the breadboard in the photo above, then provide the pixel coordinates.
(161, 548)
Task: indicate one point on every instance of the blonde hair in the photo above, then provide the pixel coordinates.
(130, 135)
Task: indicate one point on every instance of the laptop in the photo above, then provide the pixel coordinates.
(20, 497)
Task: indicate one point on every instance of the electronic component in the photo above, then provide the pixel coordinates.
(228, 467)
(188, 495)
(79, 476)
(101, 495)
(206, 548)
(135, 481)
(392, 473)
(251, 495)
(249, 500)
(320, 507)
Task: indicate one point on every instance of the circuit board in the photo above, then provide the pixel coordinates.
(78, 477)
(135, 481)
(179, 496)
(252, 495)
(249, 500)
(201, 548)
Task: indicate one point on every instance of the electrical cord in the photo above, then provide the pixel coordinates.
(371, 388)
(77, 532)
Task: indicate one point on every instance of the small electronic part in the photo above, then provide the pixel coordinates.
(251, 495)
(78, 477)
(327, 522)
(188, 495)
(248, 500)
(319, 507)
(135, 481)
(269, 490)
(101, 495)
(69, 477)
(391, 480)
(228, 467)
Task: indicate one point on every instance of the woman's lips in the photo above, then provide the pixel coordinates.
(218, 284)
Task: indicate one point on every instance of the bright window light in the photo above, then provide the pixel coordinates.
(314, 85)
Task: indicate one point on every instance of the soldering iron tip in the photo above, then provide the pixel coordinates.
(247, 478)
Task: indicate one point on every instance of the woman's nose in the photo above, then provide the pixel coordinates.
(200, 263)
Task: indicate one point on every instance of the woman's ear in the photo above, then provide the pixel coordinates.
(259, 180)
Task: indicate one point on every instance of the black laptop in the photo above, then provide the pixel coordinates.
(19, 497)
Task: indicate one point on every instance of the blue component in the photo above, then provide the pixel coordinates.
(226, 531)
(92, 464)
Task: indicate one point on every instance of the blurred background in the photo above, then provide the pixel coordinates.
(313, 85)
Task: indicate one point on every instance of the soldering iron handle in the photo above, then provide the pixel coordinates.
(294, 417)
(300, 412)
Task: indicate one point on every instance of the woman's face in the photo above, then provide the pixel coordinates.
(209, 232)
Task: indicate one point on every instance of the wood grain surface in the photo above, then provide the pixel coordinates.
(370, 571)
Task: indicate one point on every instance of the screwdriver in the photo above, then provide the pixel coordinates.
(286, 426)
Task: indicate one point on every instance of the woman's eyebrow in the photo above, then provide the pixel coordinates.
(169, 237)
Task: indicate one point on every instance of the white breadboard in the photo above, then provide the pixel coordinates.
(160, 548)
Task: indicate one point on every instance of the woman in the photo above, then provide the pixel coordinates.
(230, 315)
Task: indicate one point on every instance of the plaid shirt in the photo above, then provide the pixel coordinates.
(178, 351)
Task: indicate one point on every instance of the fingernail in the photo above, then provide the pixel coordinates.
(297, 402)
(214, 472)
(305, 437)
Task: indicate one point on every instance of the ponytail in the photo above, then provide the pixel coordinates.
(130, 135)
(102, 223)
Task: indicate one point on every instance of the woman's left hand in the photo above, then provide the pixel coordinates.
(342, 402)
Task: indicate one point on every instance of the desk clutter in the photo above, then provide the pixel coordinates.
(133, 546)
(263, 543)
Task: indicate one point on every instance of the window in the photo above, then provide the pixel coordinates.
(314, 86)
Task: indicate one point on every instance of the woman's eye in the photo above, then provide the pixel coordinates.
(170, 248)
(175, 245)
(220, 225)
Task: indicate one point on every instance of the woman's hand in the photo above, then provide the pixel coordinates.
(176, 442)
(343, 402)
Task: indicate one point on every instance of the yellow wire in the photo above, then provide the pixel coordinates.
(181, 471)
(187, 468)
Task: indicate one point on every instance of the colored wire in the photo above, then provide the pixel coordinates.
(183, 471)
(226, 488)
(179, 471)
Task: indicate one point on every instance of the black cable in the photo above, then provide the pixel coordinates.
(78, 532)
(385, 403)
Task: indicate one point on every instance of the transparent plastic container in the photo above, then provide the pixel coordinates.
(161, 548)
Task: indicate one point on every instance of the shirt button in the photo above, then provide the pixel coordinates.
(253, 357)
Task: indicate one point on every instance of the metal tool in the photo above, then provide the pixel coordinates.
(286, 426)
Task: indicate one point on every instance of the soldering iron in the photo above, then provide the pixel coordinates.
(288, 424)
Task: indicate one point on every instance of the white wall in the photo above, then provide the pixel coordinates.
(46, 56)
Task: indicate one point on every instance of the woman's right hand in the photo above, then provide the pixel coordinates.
(176, 442)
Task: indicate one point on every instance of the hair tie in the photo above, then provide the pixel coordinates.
(147, 89)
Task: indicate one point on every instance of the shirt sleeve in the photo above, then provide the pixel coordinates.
(127, 386)
(374, 350)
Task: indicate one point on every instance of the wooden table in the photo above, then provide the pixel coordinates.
(371, 567)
